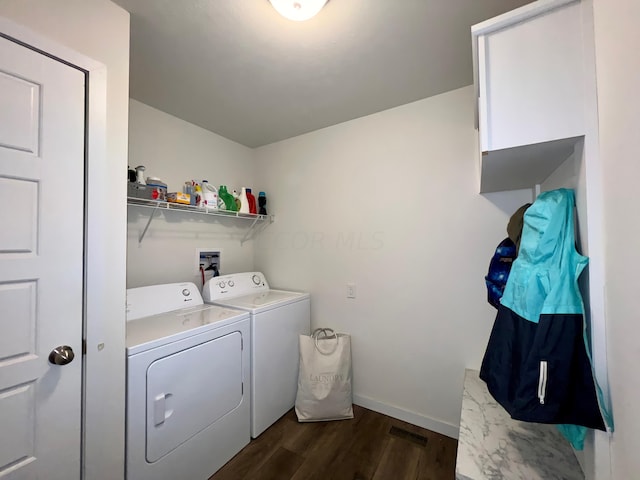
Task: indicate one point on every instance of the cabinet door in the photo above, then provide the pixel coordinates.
(530, 75)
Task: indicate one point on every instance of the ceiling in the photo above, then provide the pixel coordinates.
(236, 68)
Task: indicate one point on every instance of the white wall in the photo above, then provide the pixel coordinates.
(99, 30)
(176, 151)
(390, 203)
(618, 71)
(571, 174)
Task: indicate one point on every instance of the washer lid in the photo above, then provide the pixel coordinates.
(263, 301)
(154, 331)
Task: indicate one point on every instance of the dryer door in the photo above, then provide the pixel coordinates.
(189, 390)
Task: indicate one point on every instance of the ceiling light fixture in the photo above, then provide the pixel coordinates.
(298, 10)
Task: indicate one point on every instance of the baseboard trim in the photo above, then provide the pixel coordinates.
(407, 416)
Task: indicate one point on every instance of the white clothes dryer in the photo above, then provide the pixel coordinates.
(278, 318)
(187, 383)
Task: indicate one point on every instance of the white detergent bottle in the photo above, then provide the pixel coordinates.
(210, 194)
(244, 201)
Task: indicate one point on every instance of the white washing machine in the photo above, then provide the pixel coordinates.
(278, 318)
(187, 383)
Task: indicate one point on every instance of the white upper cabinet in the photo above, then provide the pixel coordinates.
(529, 81)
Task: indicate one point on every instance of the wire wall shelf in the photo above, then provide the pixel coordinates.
(157, 206)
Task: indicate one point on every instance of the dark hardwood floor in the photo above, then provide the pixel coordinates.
(371, 446)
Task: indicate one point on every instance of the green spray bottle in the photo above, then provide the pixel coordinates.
(227, 198)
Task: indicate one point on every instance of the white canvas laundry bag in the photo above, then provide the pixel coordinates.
(324, 379)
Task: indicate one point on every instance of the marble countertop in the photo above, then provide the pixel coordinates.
(493, 446)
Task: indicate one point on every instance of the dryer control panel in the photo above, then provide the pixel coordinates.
(155, 299)
(234, 285)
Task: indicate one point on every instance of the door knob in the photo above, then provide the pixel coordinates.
(61, 355)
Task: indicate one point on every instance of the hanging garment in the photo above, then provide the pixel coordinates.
(506, 252)
(499, 268)
(516, 222)
(537, 363)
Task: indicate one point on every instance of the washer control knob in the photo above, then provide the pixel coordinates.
(256, 279)
(221, 284)
(186, 292)
(230, 283)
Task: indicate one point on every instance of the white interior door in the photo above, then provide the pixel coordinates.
(41, 263)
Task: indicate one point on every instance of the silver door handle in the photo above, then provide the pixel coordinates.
(61, 355)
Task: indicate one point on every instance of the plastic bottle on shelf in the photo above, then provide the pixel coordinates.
(244, 201)
(236, 196)
(222, 194)
(236, 199)
(221, 203)
(227, 198)
(199, 200)
(188, 188)
(262, 203)
(210, 194)
(252, 201)
(140, 174)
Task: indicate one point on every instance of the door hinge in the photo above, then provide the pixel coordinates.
(84, 347)
(241, 343)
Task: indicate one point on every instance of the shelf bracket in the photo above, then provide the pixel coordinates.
(248, 233)
(144, 232)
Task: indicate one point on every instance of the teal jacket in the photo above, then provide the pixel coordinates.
(538, 363)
